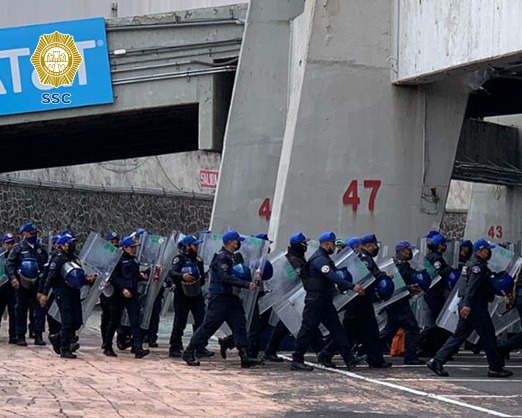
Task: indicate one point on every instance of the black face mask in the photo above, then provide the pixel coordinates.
(408, 256)
(299, 249)
(71, 249)
(192, 250)
(488, 256)
(238, 245)
(375, 252)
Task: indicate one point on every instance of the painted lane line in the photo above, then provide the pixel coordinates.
(406, 389)
(421, 379)
(484, 396)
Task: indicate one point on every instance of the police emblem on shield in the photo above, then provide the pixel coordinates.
(56, 59)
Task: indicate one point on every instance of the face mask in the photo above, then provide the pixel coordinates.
(375, 252)
(408, 256)
(238, 245)
(71, 248)
(330, 250)
(488, 256)
(32, 239)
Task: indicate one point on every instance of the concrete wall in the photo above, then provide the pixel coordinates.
(53, 208)
(459, 196)
(26, 12)
(437, 36)
(346, 123)
(172, 173)
(257, 118)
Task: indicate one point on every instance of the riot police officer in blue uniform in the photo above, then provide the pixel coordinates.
(125, 281)
(7, 291)
(187, 275)
(476, 291)
(66, 277)
(400, 314)
(359, 320)
(24, 267)
(434, 337)
(319, 280)
(223, 305)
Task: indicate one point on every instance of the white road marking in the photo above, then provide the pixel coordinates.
(390, 379)
(409, 390)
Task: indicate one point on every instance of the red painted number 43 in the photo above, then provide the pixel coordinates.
(351, 195)
(495, 231)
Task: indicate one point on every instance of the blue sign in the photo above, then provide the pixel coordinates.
(20, 87)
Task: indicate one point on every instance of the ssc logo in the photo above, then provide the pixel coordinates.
(325, 269)
(56, 59)
(437, 265)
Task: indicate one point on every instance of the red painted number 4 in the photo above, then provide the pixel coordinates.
(495, 231)
(351, 195)
(264, 209)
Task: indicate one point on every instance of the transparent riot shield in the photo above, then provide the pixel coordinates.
(422, 313)
(360, 274)
(97, 257)
(157, 277)
(210, 245)
(501, 259)
(290, 311)
(3, 276)
(168, 298)
(148, 254)
(449, 315)
(254, 251)
(401, 290)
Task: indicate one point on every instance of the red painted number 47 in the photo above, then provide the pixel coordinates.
(351, 195)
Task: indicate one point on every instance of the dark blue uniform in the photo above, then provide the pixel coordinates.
(125, 276)
(400, 315)
(27, 297)
(223, 304)
(359, 320)
(67, 298)
(476, 291)
(434, 337)
(319, 280)
(184, 304)
(8, 300)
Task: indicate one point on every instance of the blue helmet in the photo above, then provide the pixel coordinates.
(503, 285)
(268, 271)
(191, 269)
(344, 274)
(74, 275)
(242, 271)
(422, 279)
(28, 272)
(453, 278)
(384, 288)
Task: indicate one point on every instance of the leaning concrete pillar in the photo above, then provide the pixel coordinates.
(359, 154)
(256, 124)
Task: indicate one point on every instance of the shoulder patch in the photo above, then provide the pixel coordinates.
(224, 267)
(176, 260)
(437, 264)
(52, 266)
(39, 251)
(475, 269)
(325, 269)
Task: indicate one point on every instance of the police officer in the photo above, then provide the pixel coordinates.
(319, 280)
(354, 243)
(223, 304)
(67, 294)
(105, 301)
(7, 291)
(53, 325)
(400, 314)
(125, 281)
(434, 337)
(359, 319)
(30, 254)
(476, 291)
(187, 259)
(465, 253)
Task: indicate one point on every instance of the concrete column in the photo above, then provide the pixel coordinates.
(349, 126)
(256, 124)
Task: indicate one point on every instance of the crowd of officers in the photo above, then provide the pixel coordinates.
(357, 338)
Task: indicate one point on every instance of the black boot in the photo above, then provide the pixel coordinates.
(109, 352)
(55, 342)
(67, 354)
(437, 367)
(203, 352)
(141, 353)
(223, 347)
(272, 357)
(190, 357)
(351, 361)
(325, 361)
(175, 352)
(247, 362)
(38, 340)
(300, 366)
(20, 341)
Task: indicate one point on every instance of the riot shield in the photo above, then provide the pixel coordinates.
(148, 254)
(501, 259)
(254, 251)
(210, 245)
(168, 298)
(290, 311)
(158, 275)
(97, 257)
(401, 290)
(422, 312)
(449, 315)
(360, 274)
